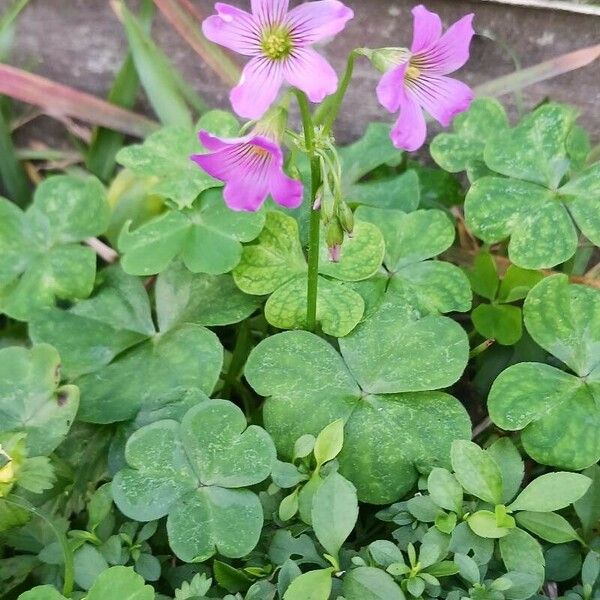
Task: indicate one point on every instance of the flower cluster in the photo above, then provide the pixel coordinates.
(279, 43)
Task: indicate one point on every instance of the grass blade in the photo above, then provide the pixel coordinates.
(100, 158)
(165, 88)
(7, 21)
(12, 175)
(545, 70)
(61, 100)
(184, 18)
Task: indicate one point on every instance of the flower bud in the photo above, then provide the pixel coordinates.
(334, 238)
(345, 217)
(384, 59)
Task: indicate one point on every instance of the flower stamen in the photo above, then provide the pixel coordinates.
(276, 43)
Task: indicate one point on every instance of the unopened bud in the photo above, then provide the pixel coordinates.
(345, 217)
(384, 59)
(334, 239)
(318, 199)
(327, 207)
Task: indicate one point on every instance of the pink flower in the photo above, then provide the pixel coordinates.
(420, 83)
(279, 43)
(252, 168)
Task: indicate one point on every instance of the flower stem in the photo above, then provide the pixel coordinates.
(315, 216)
(332, 108)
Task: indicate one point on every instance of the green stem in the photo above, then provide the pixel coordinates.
(69, 581)
(238, 358)
(315, 216)
(332, 109)
(481, 348)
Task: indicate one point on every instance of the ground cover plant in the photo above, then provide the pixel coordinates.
(250, 364)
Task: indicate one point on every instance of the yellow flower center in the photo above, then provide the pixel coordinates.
(277, 43)
(260, 152)
(412, 73)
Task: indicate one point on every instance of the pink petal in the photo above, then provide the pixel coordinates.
(442, 97)
(427, 29)
(214, 164)
(286, 191)
(390, 89)
(410, 130)
(233, 28)
(314, 21)
(310, 72)
(258, 88)
(451, 51)
(247, 195)
(270, 12)
(215, 143)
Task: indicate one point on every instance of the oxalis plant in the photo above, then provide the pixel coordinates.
(250, 368)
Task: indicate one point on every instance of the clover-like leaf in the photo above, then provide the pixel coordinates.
(195, 473)
(207, 237)
(41, 258)
(114, 353)
(535, 150)
(558, 412)
(31, 399)
(165, 155)
(377, 387)
(429, 286)
(276, 265)
(528, 204)
(463, 149)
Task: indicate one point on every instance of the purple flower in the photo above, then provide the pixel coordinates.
(279, 43)
(420, 83)
(252, 168)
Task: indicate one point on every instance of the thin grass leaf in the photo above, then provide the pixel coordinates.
(184, 18)
(12, 175)
(7, 21)
(541, 72)
(61, 100)
(166, 90)
(100, 158)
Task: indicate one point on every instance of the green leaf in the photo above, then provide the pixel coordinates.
(542, 234)
(40, 255)
(540, 400)
(207, 238)
(192, 472)
(551, 491)
(432, 355)
(547, 525)
(129, 584)
(314, 585)
(465, 541)
(334, 512)
(369, 152)
(484, 524)
(535, 150)
(339, 308)
(582, 195)
(92, 332)
(511, 466)
(42, 592)
(463, 149)
(468, 568)
(165, 155)
(329, 442)
(31, 399)
(368, 583)
(384, 553)
(564, 319)
(484, 276)
(476, 471)
(308, 385)
(89, 564)
(591, 568)
(517, 283)
(401, 192)
(520, 552)
(588, 506)
(360, 257)
(445, 490)
(500, 322)
(212, 300)
(411, 239)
